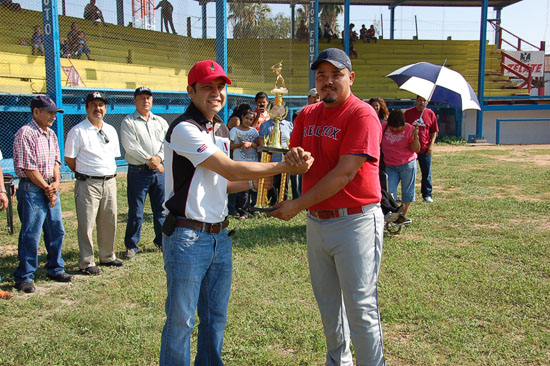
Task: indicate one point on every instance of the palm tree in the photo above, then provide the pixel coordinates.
(246, 18)
(329, 14)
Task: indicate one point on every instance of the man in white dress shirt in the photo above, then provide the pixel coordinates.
(142, 136)
(90, 151)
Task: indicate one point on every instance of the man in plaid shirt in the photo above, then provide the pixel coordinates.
(37, 161)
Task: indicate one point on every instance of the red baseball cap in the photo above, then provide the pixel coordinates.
(204, 72)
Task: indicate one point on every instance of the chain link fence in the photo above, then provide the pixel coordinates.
(124, 44)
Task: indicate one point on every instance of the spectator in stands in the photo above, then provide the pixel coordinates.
(38, 41)
(428, 129)
(166, 15)
(371, 34)
(285, 128)
(302, 32)
(91, 148)
(92, 12)
(262, 114)
(380, 107)
(244, 142)
(400, 144)
(327, 32)
(36, 160)
(82, 46)
(363, 33)
(72, 38)
(3, 205)
(11, 5)
(142, 136)
(352, 40)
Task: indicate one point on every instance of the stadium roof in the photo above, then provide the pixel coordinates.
(499, 4)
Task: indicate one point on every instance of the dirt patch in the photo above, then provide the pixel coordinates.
(476, 147)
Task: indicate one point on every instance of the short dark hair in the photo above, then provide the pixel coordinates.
(396, 118)
(260, 95)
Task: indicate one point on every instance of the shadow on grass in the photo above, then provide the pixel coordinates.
(267, 235)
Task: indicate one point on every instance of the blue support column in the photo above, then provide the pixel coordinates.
(481, 68)
(313, 17)
(53, 64)
(346, 26)
(221, 42)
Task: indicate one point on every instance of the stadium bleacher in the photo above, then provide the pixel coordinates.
(126, 57)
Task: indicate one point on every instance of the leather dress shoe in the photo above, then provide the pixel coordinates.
(62, 277)
(114, 263)
(27, 287)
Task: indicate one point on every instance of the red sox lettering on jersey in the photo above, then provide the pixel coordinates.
(322, 131)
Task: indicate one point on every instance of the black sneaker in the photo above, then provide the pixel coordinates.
(62, 277)
(27, 287)
(402, 220)
(114, 263)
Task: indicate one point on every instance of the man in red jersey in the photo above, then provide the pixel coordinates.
(426, 121)
(345, 224)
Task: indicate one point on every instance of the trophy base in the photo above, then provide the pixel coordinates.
(262, 209)
(271, 150)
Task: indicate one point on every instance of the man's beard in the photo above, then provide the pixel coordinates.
(329, 99)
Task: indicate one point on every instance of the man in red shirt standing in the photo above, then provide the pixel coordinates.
(427, 132)
(345, 224)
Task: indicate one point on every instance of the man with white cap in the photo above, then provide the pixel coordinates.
(36, 160)
(313, 96)
(345, 224)
(142, 136)
(90, 151)
(196, 246)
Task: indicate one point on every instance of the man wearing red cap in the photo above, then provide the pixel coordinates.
(196, 247)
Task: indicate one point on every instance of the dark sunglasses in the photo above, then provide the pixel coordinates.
(104, 135)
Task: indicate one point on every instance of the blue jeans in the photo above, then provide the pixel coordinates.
(36, 216)
(406, 173)
(198, 269)
(425, 163)
(141, 181)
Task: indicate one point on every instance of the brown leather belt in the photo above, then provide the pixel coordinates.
(203, 226)
(28, 180)
(337, 212)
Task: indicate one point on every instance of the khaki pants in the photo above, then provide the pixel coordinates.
(96, 203)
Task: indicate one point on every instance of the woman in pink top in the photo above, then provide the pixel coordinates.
(400, 144)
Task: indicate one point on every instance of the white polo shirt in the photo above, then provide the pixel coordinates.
(191, 190)
(94, 156)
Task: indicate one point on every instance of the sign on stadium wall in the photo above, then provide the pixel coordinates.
(535, 60)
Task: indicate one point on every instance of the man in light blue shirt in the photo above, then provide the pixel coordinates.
(265, 134)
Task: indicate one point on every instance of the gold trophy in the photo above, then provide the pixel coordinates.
(277, 112)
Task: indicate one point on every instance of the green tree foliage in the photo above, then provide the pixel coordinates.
(255, 20)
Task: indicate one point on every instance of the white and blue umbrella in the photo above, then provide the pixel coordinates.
(436, 83)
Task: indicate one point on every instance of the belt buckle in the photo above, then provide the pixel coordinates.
(215, 228)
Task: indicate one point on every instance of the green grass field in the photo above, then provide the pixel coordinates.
(468, 283)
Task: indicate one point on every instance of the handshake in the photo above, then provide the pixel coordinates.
(298, 160)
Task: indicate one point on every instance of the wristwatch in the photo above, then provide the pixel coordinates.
(3, 191)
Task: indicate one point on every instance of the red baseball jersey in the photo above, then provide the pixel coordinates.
(351, 128)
